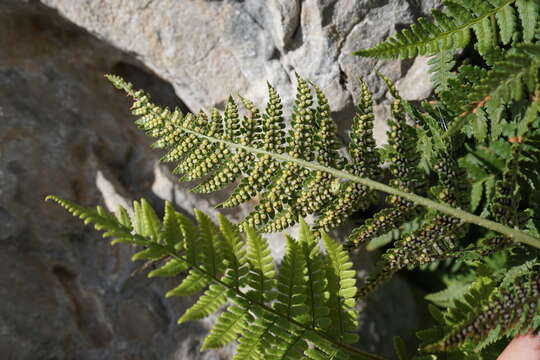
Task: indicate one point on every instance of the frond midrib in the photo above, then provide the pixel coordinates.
(515, 234)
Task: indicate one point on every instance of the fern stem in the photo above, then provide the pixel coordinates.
(514, 234)
(355, 352)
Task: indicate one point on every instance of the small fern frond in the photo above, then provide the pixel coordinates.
(490, 312)
(440, 67)
(451, 28)
(283, 318)
(227, 328)
(510, 79)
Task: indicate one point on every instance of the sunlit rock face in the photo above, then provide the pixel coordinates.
(64, 294)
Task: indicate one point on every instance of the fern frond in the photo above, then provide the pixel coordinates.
(451, 29)
(284, 189)
(242, 271)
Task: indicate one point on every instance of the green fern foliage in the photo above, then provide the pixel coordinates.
(306, 311)
(510, 79)
(451, 28)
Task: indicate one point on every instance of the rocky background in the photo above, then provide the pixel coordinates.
(64, 130)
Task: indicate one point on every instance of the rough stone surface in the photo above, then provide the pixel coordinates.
(65, 131)
(210, 49)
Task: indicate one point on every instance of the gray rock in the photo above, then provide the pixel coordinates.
(210, 49)
(65, 131)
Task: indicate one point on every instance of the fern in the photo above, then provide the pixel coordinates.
(451, 29)
(468, 157)
(490, 312)
(271, 318)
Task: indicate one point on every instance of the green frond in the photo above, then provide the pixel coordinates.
(342, 290)
(261, 268)
(212, 300)
(315, 280)
(287, 184)
(291, 289)
(451, 29)
(227, 327)
(284, 319)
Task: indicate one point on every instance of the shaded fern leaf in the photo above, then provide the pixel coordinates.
(510, 79)
(529, 12)
(283, 318)
(492, 309)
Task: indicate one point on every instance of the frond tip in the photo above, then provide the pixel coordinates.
(307, 310)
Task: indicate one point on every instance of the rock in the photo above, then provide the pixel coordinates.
(210, 49)
(416, 85)
(64, 130)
